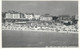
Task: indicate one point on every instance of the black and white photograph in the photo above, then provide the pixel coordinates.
(39, 24)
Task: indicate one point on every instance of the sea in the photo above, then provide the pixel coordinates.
(13, 38)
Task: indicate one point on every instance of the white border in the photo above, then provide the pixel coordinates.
(36, 48)
(39, 0)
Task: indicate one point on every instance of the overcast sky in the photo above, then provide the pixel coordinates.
(42, 7)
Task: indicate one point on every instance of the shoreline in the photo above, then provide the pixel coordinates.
(41, 31)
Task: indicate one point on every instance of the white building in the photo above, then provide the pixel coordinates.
(8, 15)
(44, 18)
(12, 16)
(16, 16)
(36, 17)
(29, 16)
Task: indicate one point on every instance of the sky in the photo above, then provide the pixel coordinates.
(42, 7)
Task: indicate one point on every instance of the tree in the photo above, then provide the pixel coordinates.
(54, 17)
(3, 16)
(74, 20)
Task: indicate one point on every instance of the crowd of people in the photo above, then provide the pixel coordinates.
(42, 26)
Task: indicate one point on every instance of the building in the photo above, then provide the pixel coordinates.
(29, 16)
(64, 17)
(37, 17)
(12, 16)
(46, 18)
